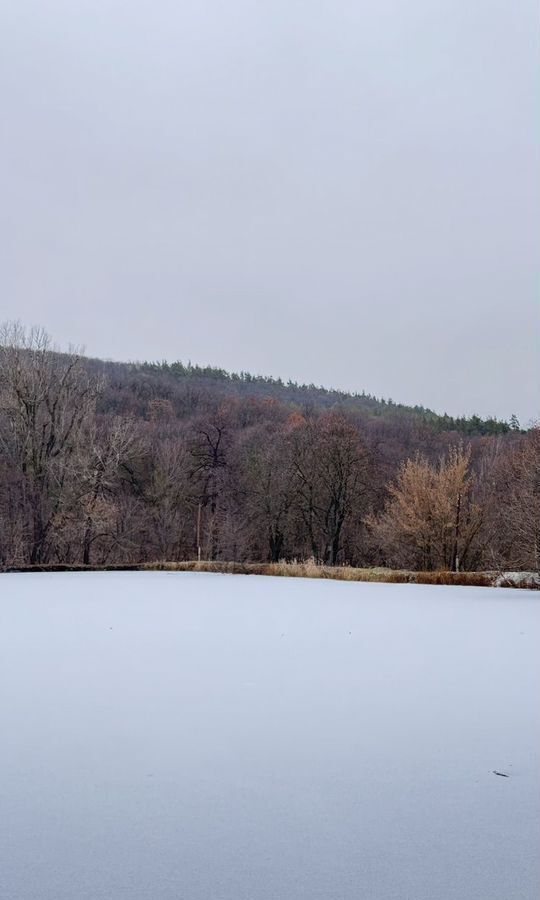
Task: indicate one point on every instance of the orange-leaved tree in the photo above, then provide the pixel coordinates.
(431, 520)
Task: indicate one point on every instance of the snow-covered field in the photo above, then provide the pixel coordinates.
(168, 736)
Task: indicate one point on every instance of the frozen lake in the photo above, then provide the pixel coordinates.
(168, 736)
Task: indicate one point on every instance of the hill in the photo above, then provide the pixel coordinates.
(113, 463)
(303, 396)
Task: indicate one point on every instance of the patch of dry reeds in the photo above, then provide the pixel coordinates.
(305, 569)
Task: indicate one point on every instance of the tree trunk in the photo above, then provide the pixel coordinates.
(276, 539)
(455, 558)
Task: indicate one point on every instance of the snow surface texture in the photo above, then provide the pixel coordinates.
(169, 736)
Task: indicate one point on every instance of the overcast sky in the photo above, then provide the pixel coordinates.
(345, 192)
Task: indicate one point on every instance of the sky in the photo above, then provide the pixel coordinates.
(343, 192)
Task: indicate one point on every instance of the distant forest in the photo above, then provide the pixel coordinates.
(301, 394)
(104, 462)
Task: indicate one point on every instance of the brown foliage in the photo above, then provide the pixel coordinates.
(431, 518)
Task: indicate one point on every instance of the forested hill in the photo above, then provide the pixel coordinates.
(107, 462)
(319, 398)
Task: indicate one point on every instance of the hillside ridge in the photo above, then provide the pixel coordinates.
(300, 393)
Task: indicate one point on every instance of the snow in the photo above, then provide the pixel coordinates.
(214, 737)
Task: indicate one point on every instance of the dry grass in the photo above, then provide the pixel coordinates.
(307, 569)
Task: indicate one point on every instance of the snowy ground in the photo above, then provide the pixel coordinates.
(169, 736)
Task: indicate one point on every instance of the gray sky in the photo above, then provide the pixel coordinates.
(342, 192)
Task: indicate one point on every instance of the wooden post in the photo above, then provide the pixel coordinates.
(199, 531)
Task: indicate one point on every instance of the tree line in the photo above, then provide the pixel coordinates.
(113, 463)
(324, 397)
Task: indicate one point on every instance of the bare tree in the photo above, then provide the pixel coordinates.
(46, 399)
(107, 448)
(169, 499)
(515, 505)
(210, 463)
(331, 466)
(271, 491)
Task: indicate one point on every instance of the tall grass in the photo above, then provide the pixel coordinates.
(306, 569)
